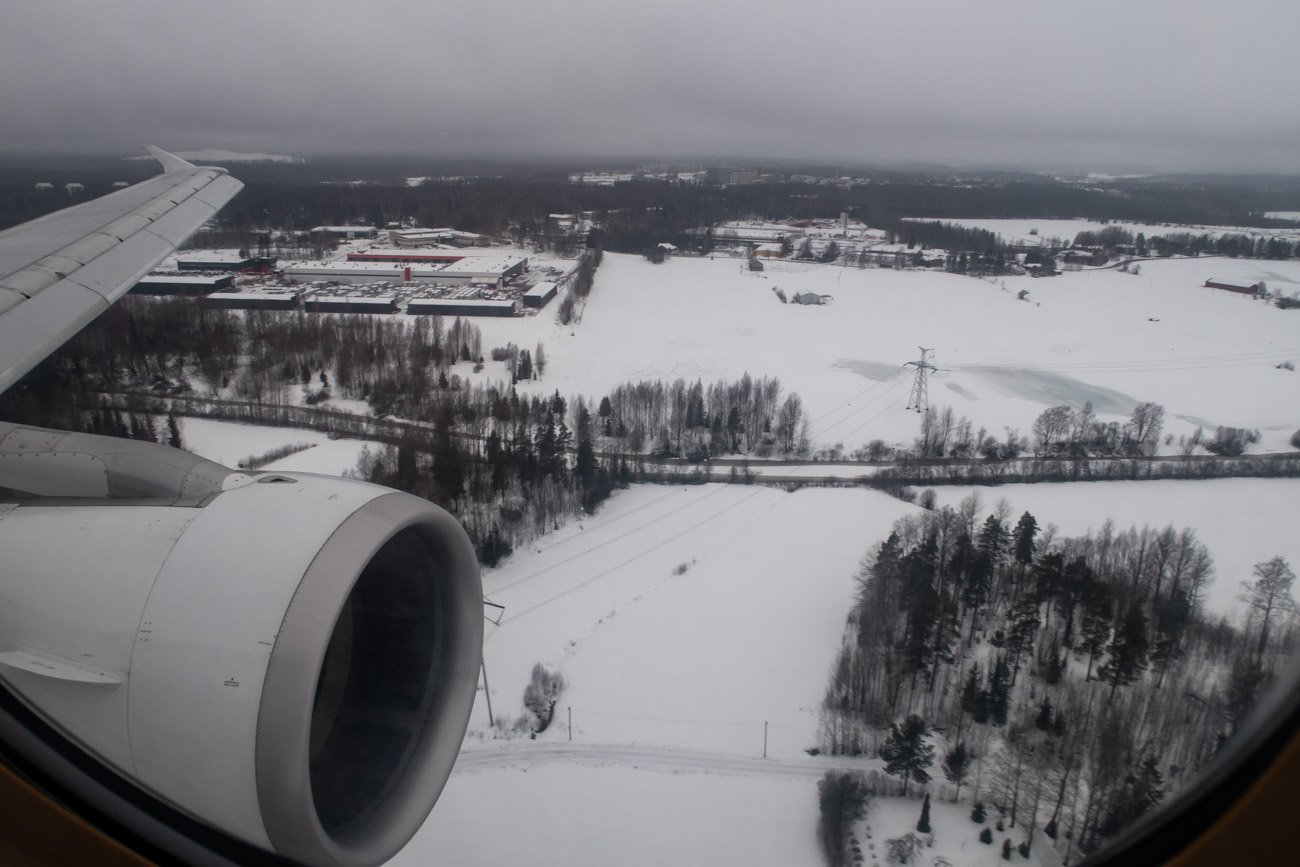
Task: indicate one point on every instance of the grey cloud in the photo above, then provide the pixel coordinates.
(1177, 84)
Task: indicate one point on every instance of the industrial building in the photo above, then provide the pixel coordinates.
(182, 284)
(540, 294)
(426, 255)
(222, 260)
(346, 232)
(464, 269)
(354, 272)
(432, 237)
(480, 269)
(350, 304)
(460, 307)
(251, 300)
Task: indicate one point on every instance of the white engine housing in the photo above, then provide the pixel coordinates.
(289, 658)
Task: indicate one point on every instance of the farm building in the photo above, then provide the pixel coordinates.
(768, 251)
(251, 300)
(1241, 287)
(181, 284)
(350, 304)
(459, 307)
(540, 294)
(810, 298)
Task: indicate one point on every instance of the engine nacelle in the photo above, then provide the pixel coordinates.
(289, 658)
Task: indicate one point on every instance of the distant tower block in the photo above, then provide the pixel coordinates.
(920, 399)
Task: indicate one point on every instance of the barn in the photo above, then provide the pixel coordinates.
(1241, 287)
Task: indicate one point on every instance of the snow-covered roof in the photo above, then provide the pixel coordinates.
(540, 290)
(229, 256)
(485, 265)
(253, 296)
(196, 279)
(1236, 284)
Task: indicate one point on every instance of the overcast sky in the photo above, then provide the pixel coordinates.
(1102, 84)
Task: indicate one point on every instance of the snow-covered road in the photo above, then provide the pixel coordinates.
(522, 753)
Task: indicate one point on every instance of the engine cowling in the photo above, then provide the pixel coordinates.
(289, 658)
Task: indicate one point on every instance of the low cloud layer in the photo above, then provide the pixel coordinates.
(1160, 85)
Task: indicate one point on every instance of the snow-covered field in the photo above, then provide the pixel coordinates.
(229, 443)
(1113, 338)
(1038, 232)
(679, 670)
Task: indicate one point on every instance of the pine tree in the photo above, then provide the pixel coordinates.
(1127, 650)
(986, 837)
(1023, 539)
(1043, 721)
(1006, 849)
(174, 432)
(977, 814)
(1000, 692)
(923, 825)
(956, 765)
(906, 751)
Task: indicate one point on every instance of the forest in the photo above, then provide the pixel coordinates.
(513, 200)
(511, 464)
(1065, 684)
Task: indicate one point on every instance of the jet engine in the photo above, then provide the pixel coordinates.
(289, 658)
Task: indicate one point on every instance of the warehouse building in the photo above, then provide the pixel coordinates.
(540, 295)
(346, 232)
(350, 304)
(427, 256)
(222, 260)
(251, 300)
(182, 284)
(460, 307)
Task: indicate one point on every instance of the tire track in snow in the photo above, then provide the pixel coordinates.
(599, 545)
(691, 529)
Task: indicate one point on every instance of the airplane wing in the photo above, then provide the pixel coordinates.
(64, 269)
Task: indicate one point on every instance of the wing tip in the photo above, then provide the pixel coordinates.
(170, 162)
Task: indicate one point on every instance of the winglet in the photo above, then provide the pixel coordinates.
(170, 162)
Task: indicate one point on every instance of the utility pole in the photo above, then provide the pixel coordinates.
(764, 738)
(920, 399)
(487, 693)
(570, 710)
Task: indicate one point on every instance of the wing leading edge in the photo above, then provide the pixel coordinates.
(62, 270)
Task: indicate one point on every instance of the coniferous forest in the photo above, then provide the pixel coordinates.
(1070, 684)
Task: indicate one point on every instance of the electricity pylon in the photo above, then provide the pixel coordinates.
(920, 399)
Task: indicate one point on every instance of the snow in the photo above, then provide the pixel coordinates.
(670, 677)
(956, 837)
(1241, 521)
(1021, 231)
(1114, 338)
(228, 443)
(1293, 216)
(576, 814)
